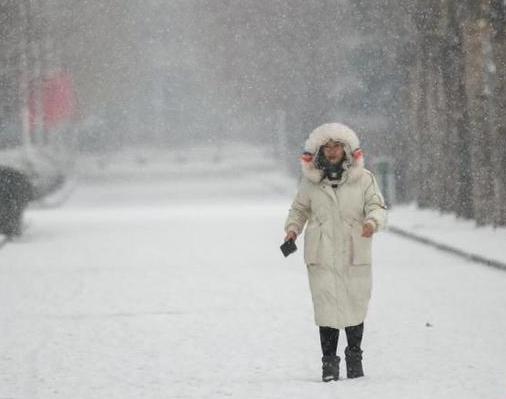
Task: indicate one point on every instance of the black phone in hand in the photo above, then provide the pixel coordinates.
(288, 247)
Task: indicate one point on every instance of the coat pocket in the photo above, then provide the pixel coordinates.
(312, 241)
(361, 247)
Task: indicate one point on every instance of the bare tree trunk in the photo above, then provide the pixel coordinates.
(426, 20)
(402, 127)
(458, 172)
(498, 17)
(422, 127)
(413, 162)
(437, 109)
(476, 36)
(24, 76)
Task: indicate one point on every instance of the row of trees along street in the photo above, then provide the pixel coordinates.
(423, 81)
(451, 144)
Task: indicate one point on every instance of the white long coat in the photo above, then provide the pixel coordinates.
(337, 257)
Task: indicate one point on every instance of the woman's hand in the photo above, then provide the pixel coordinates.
(291, 235)
(367, 230)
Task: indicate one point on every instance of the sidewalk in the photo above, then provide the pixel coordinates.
(127, 287)
(486, 245)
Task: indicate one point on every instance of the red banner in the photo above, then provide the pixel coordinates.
(58, 102)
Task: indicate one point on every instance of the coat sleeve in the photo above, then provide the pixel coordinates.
(299, 210)
(374, 205)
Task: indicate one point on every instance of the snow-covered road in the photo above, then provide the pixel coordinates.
(130, 292)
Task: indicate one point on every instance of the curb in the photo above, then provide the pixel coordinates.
(447, 248)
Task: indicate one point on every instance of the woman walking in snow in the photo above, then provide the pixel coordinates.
(342, 204)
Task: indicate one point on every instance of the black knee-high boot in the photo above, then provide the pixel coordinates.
(330, 362)
(353, 351)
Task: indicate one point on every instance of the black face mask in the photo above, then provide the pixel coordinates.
(334, 172)
(331, 171)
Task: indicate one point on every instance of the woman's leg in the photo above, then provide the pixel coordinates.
(328, 339)
(353, 351)
(330, 362)
(354, 335)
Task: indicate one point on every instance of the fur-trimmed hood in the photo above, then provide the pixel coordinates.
(354, 161)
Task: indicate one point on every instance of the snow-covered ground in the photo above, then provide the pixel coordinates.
(485, 241)
(174, 287)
